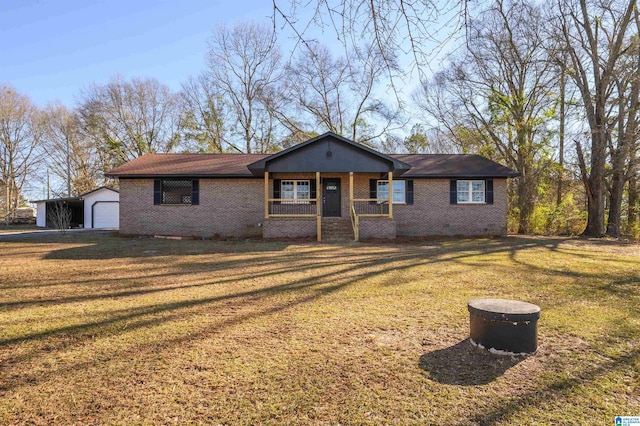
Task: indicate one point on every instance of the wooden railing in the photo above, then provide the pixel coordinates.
(355, 223)
(366, 207)
(371, 207)
(286, 207)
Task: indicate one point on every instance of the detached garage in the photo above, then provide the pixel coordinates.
(97, 209)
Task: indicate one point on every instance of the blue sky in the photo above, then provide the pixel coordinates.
(51, 49)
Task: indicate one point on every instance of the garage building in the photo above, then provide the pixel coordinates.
(97, 209)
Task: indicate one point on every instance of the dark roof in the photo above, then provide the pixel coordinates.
(453, 165)
(258, 167)
(202, 165)
(236, 165)
(78, 198)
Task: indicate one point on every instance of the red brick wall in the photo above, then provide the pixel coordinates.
(377, 227)
(431, 213)
(228, 207)
(235, 207)
(287, 227)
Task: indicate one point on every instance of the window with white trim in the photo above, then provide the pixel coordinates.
(295, 190)
(399, 193)
(471, 191)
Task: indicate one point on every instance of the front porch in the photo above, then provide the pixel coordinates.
(327, 206)
(328, 177)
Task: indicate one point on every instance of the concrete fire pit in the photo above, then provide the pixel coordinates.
(504, 326)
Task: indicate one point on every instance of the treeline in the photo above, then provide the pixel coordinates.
(551, 90)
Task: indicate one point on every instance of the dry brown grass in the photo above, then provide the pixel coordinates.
(7, 229)
(97, 329)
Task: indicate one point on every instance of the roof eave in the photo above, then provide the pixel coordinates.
(465, 176)
(181, 175)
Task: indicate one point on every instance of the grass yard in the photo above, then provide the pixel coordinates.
(6, 229)
(98, 329)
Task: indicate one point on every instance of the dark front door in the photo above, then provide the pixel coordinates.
(331, 197)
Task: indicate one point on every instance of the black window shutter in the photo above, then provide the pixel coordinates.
(157, 192)
(195, 192)
(373, 189)
(488, 188)
(453, 191)
(312, 189)
(276, 189)
(408, 191)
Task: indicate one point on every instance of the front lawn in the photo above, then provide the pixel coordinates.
(99, 329)
(6, 229)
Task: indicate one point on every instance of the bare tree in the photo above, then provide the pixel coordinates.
(20, 136)
(499, 92)
(594, 36)
(409, 27)
(70, 154)
(205, 119)
(626, 135)
(60, 215)
(338, 94)
(244, 70)
(129, 119)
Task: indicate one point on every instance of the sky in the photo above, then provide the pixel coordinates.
(51, 49)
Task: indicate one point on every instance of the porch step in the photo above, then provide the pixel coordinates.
(336, 229)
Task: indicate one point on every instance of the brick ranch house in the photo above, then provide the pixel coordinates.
(327, 187)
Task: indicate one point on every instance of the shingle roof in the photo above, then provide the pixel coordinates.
(452, 165)
(235, 165)
(202, 165)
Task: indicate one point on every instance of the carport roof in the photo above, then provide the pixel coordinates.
(77, 198)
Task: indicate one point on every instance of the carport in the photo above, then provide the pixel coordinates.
(98, 209)
(74, 204)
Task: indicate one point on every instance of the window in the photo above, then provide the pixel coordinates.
(176, 191)
(399, 192)
(470, 191)
(295, 190)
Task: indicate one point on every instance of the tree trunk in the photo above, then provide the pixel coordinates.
(525, 203)
(561, 135)
(596, 198)
(615, 204)
(594, 187)
(633, 210)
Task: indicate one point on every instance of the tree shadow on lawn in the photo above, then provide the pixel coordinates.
(111, 246)
(561, 389)
(466, 365)
(307, 290)
(460, 364)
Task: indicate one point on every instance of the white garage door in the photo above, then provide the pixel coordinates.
(106, 214)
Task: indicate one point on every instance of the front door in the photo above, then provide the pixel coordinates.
(331, 197)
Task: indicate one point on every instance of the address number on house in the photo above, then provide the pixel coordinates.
(332, 187)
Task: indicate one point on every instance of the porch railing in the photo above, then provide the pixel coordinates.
(355, 223)
(283, 207)
(366, 207)
(371, 207)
